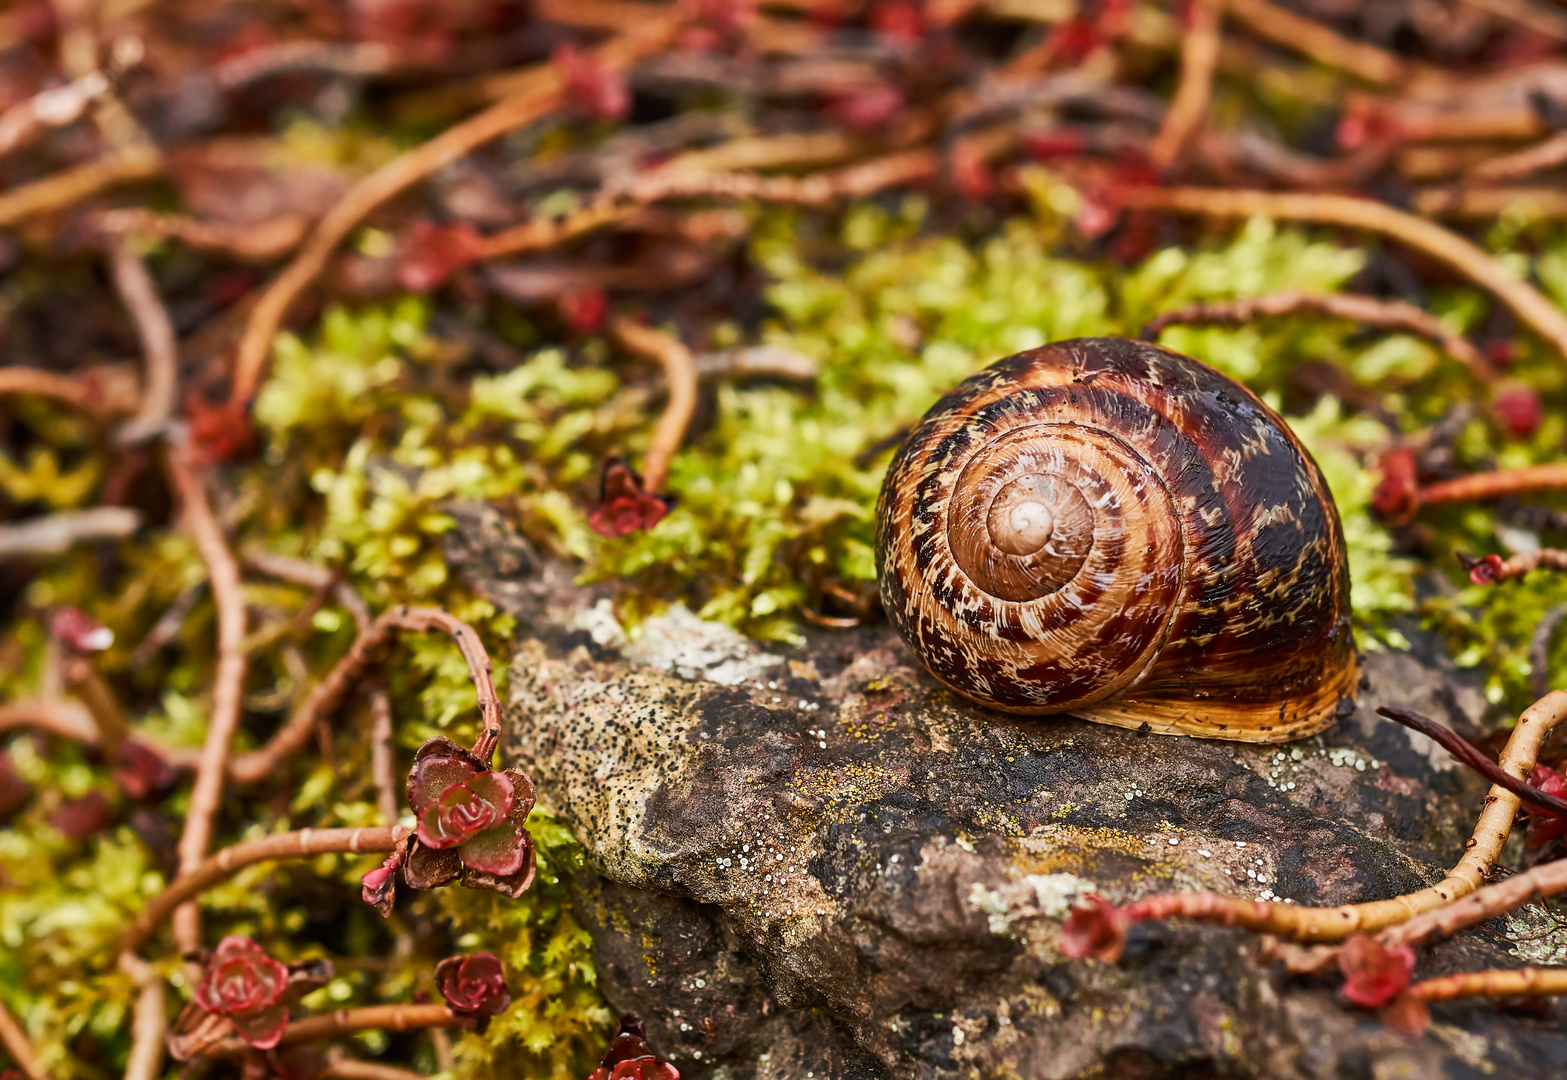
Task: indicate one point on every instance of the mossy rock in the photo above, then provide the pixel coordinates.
(818, 861)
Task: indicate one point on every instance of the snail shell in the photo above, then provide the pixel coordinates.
(1111, 529)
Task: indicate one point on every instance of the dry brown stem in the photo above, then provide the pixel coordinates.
(1478, 487)
(1541, 18)
(66, 189)
(1540, 649)
(1537, 883)
(1524, 982)
(262, 242)
(294, 735)
(1366, 310)
(680, 374)
(303, 844)
(1199, 61)
(159, 343)
(403, 172)
(67, 719)
(760, 360)
(17, 1044)
(1526, 302)
(1519, 565)
(1327, 47)
(1546, 154)
(56, 107)
(69, 389)
(1484, 204)
(617, 206)
(345, 1068)
(383, 763)
(149, 1021)
(113, 729)
(55, 534)
(1301, 923)
(228, 680)
(348, 1021)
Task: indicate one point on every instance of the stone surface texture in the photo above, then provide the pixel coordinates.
(817, 862)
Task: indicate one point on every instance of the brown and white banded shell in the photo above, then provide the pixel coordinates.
(1110, 529)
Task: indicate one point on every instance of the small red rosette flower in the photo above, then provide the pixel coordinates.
(80, 631)
(473, 985)
(245, 985)
(623, 506)
(1397, 494)
(470, 823)
(630, 1058)
(1097, 928)
(1373, 973)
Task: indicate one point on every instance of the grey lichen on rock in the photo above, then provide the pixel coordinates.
(825, 864)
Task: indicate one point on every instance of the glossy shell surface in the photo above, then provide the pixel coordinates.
(1107, 528)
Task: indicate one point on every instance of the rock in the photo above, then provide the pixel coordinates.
(818, 862)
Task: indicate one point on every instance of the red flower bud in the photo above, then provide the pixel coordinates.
(591, 86)
(81, 818)
(866, 108)
(1374, 974)
(583, 309)
(1545, 826)
(623, 506)
(1519, 410)
(142, 772)
(1397, 494)
(74, 628)
(1097, 930)
(433, 253)
(1486, 571)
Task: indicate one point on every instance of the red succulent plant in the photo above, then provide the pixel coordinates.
(470, 823)
(630, 1058)
(246, 986)
(473, 985)
(624, 506)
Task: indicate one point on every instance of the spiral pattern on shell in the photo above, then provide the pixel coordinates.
(1108, 528)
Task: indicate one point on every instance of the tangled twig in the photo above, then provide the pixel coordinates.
(55, 534)
(1199, 60)
(1366, 310)
(350, 1021)
(1101, 931)
(681, 376)
(67, 188)
(1470, 755)
(1526, 302)
(303, 844)
(19, 1046)
(1479, 487)
(254, 765)
(228, 681)
(159, 344)
(403, 172)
